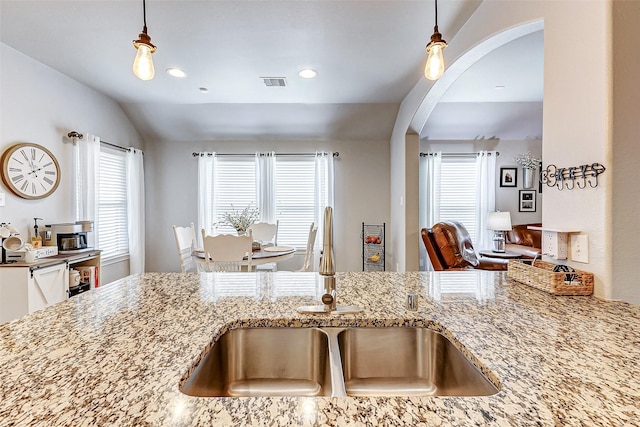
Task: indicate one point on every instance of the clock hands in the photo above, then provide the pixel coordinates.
(35, 171)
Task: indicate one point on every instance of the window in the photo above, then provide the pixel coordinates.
(295, 200)
(112, 206)
(299, 188)
(235, 188)
(457, 192)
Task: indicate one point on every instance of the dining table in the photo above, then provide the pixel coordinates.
(265, 255)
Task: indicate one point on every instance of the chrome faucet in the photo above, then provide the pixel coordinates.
(327, 269)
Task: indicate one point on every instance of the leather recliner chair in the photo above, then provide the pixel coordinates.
(524, 242)
(449, 247)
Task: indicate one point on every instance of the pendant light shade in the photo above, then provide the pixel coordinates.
(143, 64)
(435, 61)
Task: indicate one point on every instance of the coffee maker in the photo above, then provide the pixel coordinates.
(69, 237)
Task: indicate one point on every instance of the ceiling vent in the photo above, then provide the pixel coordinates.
(274, 81)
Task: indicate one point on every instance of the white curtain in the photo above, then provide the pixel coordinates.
(485, 196)
(429, 207)
(324, 195)
(135, 210)
(86, 180)
(266, 186)
(206, 207)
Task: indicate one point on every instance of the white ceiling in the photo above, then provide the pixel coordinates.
(368, 55)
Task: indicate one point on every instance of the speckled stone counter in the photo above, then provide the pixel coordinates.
(115, 356)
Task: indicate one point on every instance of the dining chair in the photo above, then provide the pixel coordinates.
(226, 252)
(186, 243)
(308, 256)
(265, 232)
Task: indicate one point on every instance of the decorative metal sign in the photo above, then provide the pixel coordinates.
(571, 177)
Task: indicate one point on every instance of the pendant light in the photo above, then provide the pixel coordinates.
(435, 62)
(143, 64)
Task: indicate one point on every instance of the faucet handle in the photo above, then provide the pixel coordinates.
(328, 298)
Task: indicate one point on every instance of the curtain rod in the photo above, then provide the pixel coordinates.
(76, 135)
(194, 154)
(457, 154)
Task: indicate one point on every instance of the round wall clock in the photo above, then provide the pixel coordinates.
(30, 171)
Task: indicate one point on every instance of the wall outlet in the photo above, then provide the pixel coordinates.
(580, 248)
(2, 199)
(554, 244)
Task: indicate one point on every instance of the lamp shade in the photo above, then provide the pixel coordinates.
(499, 221)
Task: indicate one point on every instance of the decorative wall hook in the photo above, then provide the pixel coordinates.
(569, 178)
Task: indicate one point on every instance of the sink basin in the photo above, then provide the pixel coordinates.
(335, 362)
(264, 362)
(407, 362)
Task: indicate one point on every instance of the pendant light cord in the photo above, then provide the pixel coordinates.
(144, 13)
(436, 13)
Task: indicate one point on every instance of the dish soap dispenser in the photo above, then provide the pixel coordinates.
(36, 239)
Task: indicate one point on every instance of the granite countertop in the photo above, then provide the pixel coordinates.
(116, 355)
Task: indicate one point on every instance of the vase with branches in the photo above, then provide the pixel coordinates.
(529, 164)
(527, 160)
(241, 220)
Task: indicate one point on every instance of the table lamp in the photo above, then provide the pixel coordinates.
(499, 222)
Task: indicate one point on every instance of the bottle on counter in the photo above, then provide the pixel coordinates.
(36, 239)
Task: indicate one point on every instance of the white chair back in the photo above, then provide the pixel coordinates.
(311, 241)
(226, 252)
(265, 232)
(186, 242)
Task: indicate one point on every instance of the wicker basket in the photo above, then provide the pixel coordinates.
(542, 276)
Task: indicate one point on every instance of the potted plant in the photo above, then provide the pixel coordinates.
(529, 165)
(241, 220)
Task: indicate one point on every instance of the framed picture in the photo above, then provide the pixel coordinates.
(527, 201)
(508, 177)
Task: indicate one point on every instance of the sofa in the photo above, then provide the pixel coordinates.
(523, 241)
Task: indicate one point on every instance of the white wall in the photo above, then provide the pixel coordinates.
(362, 193)
(41, 105)
(577, 96)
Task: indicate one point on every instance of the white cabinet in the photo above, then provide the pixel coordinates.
(47, 286)
(25, 289)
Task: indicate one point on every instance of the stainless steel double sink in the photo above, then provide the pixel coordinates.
(386, 361)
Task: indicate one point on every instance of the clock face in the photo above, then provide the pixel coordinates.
(30, 171)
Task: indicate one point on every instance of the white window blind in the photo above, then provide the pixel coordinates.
(235, 188)
(458, 192)
(295, 200)
(112, 206)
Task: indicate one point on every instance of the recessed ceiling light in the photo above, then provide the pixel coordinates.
(499, 87)
(308, 73)
(203, 89)
(176, 72)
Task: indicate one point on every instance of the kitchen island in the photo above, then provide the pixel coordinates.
(116, 355)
